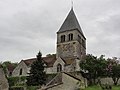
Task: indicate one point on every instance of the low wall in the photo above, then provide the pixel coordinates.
(3, 81)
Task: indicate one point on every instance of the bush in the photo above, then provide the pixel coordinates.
(17, 88)
(15, 81)
(32, 87)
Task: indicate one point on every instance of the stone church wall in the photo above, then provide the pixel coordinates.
(67, 48)
(71, 48)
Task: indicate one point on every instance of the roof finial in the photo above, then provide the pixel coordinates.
(71, 4)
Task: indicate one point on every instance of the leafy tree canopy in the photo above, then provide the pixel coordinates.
(100, 67)
(94, 66)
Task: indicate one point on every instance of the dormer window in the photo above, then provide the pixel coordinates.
(63, 38)
(70, 36)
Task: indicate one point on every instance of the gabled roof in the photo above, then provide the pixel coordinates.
(70, 23)
(49, 61)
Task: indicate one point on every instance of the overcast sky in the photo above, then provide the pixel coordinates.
(27, 26)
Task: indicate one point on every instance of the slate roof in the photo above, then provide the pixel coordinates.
(49, 61)
(70, 23)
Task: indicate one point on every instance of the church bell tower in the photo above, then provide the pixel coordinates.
(71, 41)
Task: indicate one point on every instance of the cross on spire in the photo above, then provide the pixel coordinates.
(72, 4)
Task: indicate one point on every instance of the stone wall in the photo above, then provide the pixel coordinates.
(66, 49)
(3, 81)
(68, 83)
(108, 80)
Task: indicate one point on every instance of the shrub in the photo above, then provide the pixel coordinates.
(17, 88)
(15, 81)
(32, 87)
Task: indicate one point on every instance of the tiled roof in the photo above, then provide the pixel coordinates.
(28, 62)
(49, 61)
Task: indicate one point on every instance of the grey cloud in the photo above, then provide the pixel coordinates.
(28, 26)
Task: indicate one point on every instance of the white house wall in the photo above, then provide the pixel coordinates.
(23, 66)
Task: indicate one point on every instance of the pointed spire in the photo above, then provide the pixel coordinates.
(70, 23)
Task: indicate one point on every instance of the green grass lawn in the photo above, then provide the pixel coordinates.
(99, 88)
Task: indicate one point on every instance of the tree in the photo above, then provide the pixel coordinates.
(50, 55)
(7, 64)
(101, 66)
(94, 66)
(37, 75)
(88, 65)
(113, 69)
(115, 74)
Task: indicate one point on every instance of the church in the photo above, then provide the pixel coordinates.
(71, 48)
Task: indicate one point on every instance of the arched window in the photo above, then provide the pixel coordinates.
(63, 38)
(70, 36)
(59, 68)
(20, 71)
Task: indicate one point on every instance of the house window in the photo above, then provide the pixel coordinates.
(70, 36)
(59, 68)
(63, 38)
(20, 72)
